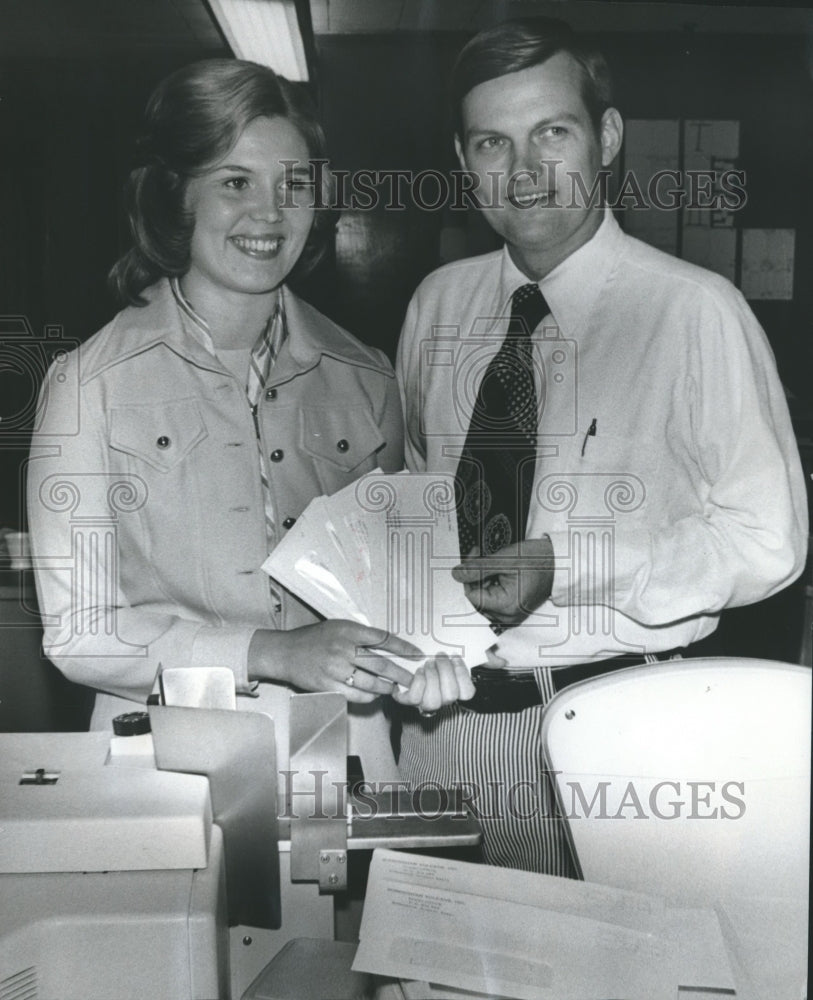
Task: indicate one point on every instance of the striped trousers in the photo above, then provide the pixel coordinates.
(496, 759)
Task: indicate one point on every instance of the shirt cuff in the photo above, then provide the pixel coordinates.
(559, 541)
(579, 578)
(225, 646)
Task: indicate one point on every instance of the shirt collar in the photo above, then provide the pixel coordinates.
(193, 324)
(572, 288)
(271, 338)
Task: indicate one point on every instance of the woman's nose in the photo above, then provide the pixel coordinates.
(267, 205)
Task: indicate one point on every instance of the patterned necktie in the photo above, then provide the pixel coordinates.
(495, 474)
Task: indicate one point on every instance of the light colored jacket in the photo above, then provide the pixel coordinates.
(145, 502)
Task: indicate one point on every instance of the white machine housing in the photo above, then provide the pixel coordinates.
(110, 876)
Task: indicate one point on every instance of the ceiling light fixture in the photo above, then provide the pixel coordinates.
(264, 31)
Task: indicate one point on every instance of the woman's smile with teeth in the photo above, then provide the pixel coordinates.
(257, 244)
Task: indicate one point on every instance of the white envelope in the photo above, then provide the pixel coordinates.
(381, 552)
(499, 932)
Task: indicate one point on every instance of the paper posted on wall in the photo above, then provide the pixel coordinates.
(380, 552)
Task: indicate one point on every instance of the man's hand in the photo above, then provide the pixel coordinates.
(508, 585)
(440, 681)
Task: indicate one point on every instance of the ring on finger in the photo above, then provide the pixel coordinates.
(424, 714)
(350, 680)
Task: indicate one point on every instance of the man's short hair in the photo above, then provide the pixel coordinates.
(519, 44)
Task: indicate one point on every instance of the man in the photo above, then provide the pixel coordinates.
(641, 478)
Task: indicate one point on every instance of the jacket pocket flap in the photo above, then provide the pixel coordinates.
(160, 434)
(343, 437)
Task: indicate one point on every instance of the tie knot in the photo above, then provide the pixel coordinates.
(528, 309)
(525, 291)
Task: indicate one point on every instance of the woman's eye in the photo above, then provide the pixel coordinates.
(299, 184)
(236, 183)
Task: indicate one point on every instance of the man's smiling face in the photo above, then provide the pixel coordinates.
(531, 130)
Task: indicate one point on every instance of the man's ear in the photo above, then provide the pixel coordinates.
(612, 134)
(458, 148)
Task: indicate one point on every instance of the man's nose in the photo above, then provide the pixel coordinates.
(527, 158)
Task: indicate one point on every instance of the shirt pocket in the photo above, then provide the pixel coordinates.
(617, 453)
(343, 442)
(602, 476)
(159, 434)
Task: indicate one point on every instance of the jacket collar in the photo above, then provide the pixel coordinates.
(137, 329)
(312, 335)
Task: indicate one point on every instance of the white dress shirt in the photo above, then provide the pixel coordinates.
(686, 498)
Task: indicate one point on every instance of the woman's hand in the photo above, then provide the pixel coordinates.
(440, 681)
(333, 655)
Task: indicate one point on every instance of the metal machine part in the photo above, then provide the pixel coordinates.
(235, 750)
(318, 808)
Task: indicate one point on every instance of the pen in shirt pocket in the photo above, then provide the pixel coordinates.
(591, 432)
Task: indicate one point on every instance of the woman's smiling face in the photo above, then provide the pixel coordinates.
(253, 211)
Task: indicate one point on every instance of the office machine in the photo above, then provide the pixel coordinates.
(179, 877)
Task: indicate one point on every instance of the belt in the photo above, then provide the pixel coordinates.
(499, 690)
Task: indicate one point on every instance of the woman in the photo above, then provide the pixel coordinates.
(180, 442)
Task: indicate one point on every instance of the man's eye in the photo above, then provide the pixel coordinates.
(491, 142)
(556, 131)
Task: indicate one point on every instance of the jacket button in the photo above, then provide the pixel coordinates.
(163, 441)
(289, 522)
(342, 445)
(277, 455)
(270, 393)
